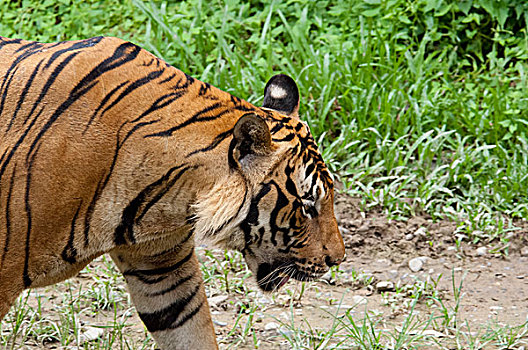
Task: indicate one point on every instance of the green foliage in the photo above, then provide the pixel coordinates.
(419, 105)
(51, 20)
(470, 30)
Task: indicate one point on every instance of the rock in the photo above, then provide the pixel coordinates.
(217, 300)
(359, 300)
(385, 286)
(270, 326)
(220, 323)
(433, 333)
(524, 251)
(327, 277)
(422, 231)
(90, 333)
(344, 230)
(409, 236)
(481, 251)
(416, 264)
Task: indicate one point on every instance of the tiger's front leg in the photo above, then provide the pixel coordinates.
(167, 290)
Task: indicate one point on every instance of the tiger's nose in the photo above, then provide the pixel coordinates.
(332, 261)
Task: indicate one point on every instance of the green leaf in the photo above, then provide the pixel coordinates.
(371, 12)
(465, 6)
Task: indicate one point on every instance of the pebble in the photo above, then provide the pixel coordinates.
(327, 277)
(481, 251)
(359, 300)
(217, 300)
(220, 323)
(271, 326)
(385, 286)
(524, 251)
(91, 333)
(422, 231)
(409, 236)
(416, 264)
(344, 230)
(433, 333)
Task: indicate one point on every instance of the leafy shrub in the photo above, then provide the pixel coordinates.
(473, 29)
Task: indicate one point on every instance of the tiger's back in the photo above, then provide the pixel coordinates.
(106, 148)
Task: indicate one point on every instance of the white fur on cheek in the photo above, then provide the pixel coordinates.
(277, 92)
(219, 212)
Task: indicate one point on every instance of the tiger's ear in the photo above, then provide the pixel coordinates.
(251, 136)
(281, 94)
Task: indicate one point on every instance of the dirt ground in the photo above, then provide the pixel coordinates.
(375, 281)
(493, 286)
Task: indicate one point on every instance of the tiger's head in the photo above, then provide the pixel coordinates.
(283, 221)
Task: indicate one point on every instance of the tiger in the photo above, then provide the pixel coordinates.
(107, 149)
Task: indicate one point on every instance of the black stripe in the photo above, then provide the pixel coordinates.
(76, 46)
(6, 90)
(171, 288)
(23, 95)
(286, 138)
(11, 73)
(8, 218)
(276, 128)
(197, 117)
(161, 193)
(165, 318)
(175, 247)
(17, 144)
(103, 102)
(168, 79)
(135, 85)
(149, 276)
(69, 253)
(50, 82)
(139, 206)
(218, 139)
(160, 103)
(296, 244)
(309, 170)
(280, 203)
(27, 279)
(253, 214)
(235, 100)
(91, 207)
(204, 89)
(188, 316)
(29, 45)
(9, 42)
